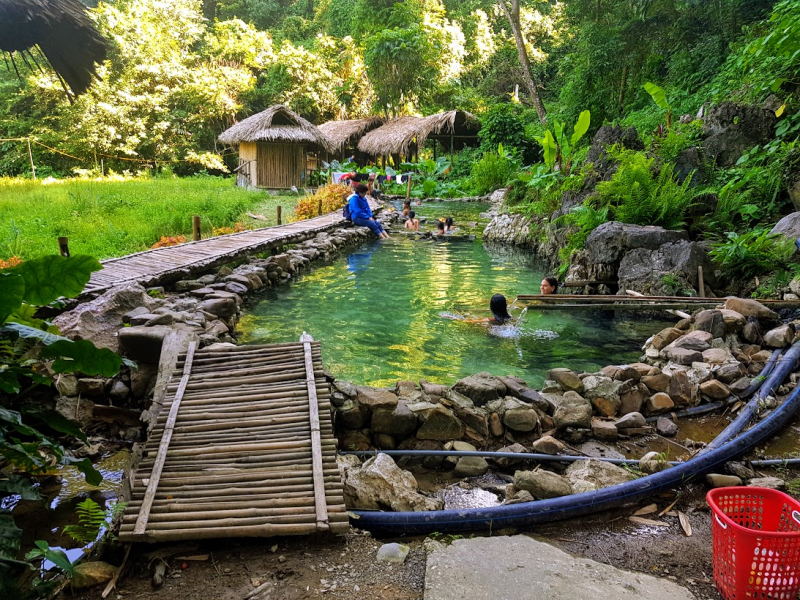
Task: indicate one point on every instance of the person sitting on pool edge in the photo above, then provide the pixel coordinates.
(549, 285)
(361, 213)
(412, 222)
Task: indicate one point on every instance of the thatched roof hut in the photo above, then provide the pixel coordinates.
(456, 128)
(272, 148)
(344, 135)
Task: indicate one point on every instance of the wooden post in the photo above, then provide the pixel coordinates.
(195, 228)
(30, 156)
(320, 503)
(319, 207)
(408, 188)
(102, 168)
(63, 246)
(280, 221)
(701, 286)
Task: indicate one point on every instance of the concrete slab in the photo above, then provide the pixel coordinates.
(516, 567)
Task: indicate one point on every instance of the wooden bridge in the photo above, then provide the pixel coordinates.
(243, 447)
(170, 264)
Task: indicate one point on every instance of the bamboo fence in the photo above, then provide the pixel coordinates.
(243, 447)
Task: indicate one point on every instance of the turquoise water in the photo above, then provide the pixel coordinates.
(378, 313)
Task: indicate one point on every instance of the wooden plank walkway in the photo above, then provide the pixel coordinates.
(243, 447)
(166, 265)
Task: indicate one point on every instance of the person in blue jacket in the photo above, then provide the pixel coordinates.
(361, 214)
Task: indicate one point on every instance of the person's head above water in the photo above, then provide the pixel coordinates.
(412, 214)
(448, 222)
(548, 285)
(440, 226)
(499, 307)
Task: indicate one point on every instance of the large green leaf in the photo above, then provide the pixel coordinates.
(82, 356)
(561, 138)
(49, 277)
(57, 557)
(581, 127)
(549, 148)
(28, 332)
(57, 421)
(10, 536)
(12, 291)
(85, 466)
(20, 486)
(9, 382)
(14, 419)
(658, 95)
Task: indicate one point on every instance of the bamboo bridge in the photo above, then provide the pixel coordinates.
(242, 447)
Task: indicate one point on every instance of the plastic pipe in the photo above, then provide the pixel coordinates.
(775, 462)
(543, 511)
(784, 366)
(518, 455)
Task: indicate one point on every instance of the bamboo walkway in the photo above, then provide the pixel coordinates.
(166, 265)
(243, 447)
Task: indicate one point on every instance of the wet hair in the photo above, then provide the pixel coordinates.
(406, 203)
(440, 226)
(411, 214)
(552, 282)
(361, 189)
(499, 307)
(448, 222)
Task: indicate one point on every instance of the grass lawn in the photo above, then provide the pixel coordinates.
(112, 218)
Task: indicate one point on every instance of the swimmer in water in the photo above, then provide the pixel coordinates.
(412, 222)
(549, 285)
(499, 308)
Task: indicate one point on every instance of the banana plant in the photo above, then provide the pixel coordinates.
(659, 96)
(558, 148)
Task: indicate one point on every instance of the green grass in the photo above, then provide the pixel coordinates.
(111, 218)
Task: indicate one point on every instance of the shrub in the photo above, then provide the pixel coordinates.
(492, 171)
(11, 262)
(503, 124)
(166, 241)
(237, 228)
(755, 252)
(333, 197)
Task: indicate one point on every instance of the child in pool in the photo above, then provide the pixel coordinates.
(406, 208)
(448, 225)
(412, 222)
(440, 228)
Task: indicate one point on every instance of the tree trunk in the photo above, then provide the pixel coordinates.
(513, 19)
(622, 88)
(210, 9)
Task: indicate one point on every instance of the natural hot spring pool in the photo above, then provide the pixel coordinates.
(377, 310)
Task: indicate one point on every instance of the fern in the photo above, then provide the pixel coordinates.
(92, 520)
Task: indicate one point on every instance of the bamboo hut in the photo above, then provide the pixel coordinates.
(273, 147)
(344, 135)
(406, 135)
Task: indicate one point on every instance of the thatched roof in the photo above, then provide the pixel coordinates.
(346, 133)
(397, 136)
(63, 31)
(276, 124)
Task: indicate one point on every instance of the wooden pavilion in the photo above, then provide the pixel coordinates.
(273, 148)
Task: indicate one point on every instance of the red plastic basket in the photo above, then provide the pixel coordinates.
(756, 533)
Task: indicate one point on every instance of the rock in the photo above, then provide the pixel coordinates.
(740, 470)
(397, 421)
(517, 388)
(567, 379)
(187, 285)
(99, 320)
(609, 242)
(481, 388)
(67, 385)
(404, 388)
(603, 393)
(752, 332)
(711, 321)
(393, 553)
(495, 425)
(139, 310)
(699, 372)
(666, 427)
(521, 418)
(547, 445)
(658, 403)
(780, 337)
(354, 440)
(379, 484)
(89, 574)
(695, 340)
(490, 568)
(630, 420)
(143, 344)
(384, 441)
(576, 435)
(512, 229)
(573, 412)
(504, 463)
(665, 337)
(520, 497)
(433, 389)
(632, 400)
(646, 270)
(680, 389)
(352, 415)
(732, 129)
(717, 356)
(750, 308)
(594, 474)
(604, 430)
(682, 356)
(119, 391)
(470, 466)
(734, 321)
(611, 135)
(142, 380)
(224, 308)
(728, 373)
(739, 386)
(717, 480)
(92, 387)
(716, 390)
(376, 397)
(441, 424)
(542, 484)
(75, 409)
(653, 462)
(347, 388)
(656, 383)
(773, 483)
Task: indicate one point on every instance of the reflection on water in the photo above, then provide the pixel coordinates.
(378, 313)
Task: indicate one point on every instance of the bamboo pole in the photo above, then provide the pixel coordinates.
(30, 156)
(264, 530)
(141, 520)
(701, 286)
(196, 228)
(316, 446)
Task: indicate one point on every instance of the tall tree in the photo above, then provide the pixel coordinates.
(512, 14)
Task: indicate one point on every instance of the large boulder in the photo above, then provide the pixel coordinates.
(481, 388)
(656, 271)
(380, 484)
(398, 421)
(587, 475)
(99, 320)
(376, 397)
(542, 484)
(567, 379)
(609, 242)
(732, 129)
(751, 308)
(603, 393)
(474, 416)
(510, 229)
(573, 411)
(788, 226)
(522, 417)
(439, 423)
(611, 135)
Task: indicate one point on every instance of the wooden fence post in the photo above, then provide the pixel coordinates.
(701, 286)
(319, 207)
(196, 228)
(408, 189)
(63, 246)
(280, 221)
(33, 167)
